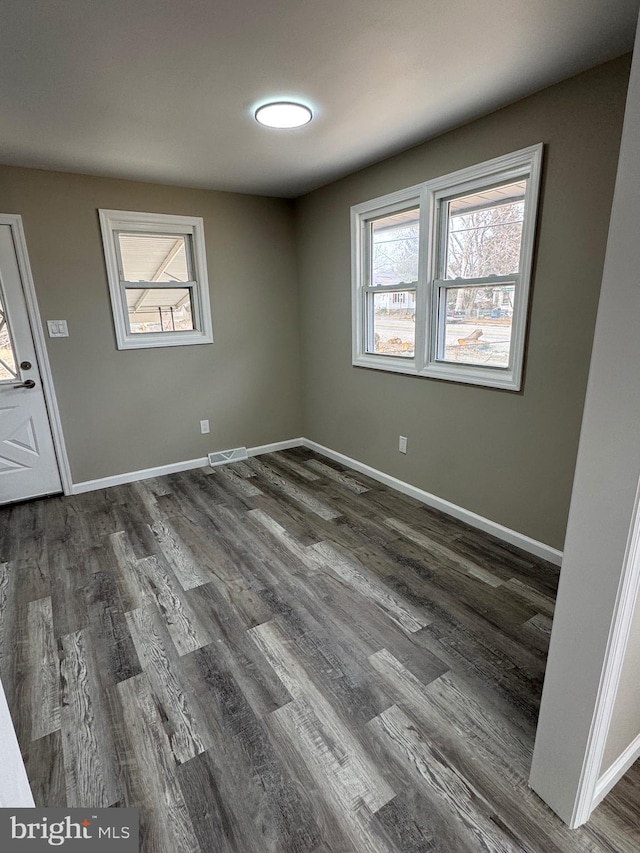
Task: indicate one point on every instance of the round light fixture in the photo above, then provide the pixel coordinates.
(283, 114)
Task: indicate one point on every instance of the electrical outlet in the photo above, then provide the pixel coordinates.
(204, 427)
(402, 444)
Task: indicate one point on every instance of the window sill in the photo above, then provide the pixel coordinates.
(505, 379)
(388, 363)
(163, 339)
(487, 377)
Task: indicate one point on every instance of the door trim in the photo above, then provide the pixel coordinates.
(595, 780)
(14, 221)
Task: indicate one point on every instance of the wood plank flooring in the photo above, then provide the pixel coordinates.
(283, 656)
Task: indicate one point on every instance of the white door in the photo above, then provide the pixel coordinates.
(28, 464)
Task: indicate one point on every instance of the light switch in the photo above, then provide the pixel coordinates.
(57, 328)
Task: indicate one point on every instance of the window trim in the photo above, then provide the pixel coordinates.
(526, 162)
(114, 222)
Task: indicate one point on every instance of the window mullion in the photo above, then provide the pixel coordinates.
(431, 223)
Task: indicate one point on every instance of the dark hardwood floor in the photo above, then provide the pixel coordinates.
(283, 656)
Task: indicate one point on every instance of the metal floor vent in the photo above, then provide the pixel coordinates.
(221, 457)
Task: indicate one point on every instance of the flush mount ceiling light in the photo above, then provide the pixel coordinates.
(283, 114)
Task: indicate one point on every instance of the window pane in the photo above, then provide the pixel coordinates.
(159, 309)
(478, 325)
(392, 326)
(8, 370)
(153, 257)
(394, 248)
(485, 232)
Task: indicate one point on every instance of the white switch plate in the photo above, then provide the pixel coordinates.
(402, 444)
(57, 328)
(204, 427)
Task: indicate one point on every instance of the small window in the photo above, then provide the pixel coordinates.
(158, 283)
(441, 274)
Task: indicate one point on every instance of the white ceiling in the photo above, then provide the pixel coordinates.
(164, 90)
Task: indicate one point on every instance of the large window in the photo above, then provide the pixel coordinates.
(157, 274)
(441, 274)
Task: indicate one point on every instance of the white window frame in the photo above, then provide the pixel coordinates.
(430, 290)
(113, 222)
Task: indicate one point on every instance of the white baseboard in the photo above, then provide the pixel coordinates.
(617, 770)
(532, 546)
(133, 476)
(526, 543)
(278, 445)
(173, 468)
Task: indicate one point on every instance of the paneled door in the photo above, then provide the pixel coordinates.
(28, 464)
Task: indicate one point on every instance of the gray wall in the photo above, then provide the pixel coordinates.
(127, 410)
(507, 456)
(602, 511)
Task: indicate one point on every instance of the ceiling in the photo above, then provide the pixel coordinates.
(164, 90)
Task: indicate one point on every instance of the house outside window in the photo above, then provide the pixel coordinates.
(441, 274)
(157, 272)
